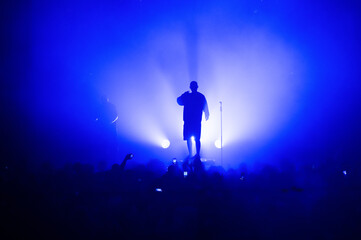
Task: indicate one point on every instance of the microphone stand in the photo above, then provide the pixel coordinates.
(220, 108)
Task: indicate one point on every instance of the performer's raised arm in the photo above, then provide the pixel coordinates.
(181, 99)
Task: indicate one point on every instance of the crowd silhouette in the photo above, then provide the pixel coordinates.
(314, 201)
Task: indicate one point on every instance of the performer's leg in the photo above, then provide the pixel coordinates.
(198, 146)
(189, 145)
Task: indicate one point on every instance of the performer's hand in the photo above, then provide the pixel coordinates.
(207, 117)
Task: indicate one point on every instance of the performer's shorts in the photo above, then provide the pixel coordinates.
(192, 130)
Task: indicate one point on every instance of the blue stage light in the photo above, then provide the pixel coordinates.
(217, 143)
(165, 143)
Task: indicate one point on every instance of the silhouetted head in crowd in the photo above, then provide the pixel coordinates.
(115, 167)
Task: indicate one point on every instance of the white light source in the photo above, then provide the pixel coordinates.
(217, 143)
(165, 143)
(344, 172)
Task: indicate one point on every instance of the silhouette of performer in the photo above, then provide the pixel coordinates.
(107, 131)
(194, 105)
(107, 116)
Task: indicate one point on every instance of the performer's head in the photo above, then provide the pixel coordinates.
(193, 86)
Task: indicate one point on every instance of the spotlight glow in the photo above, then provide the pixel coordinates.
(217, 143)
(165, 144)
(251, 75)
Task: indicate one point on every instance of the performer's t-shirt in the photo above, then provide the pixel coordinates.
(194, 104)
